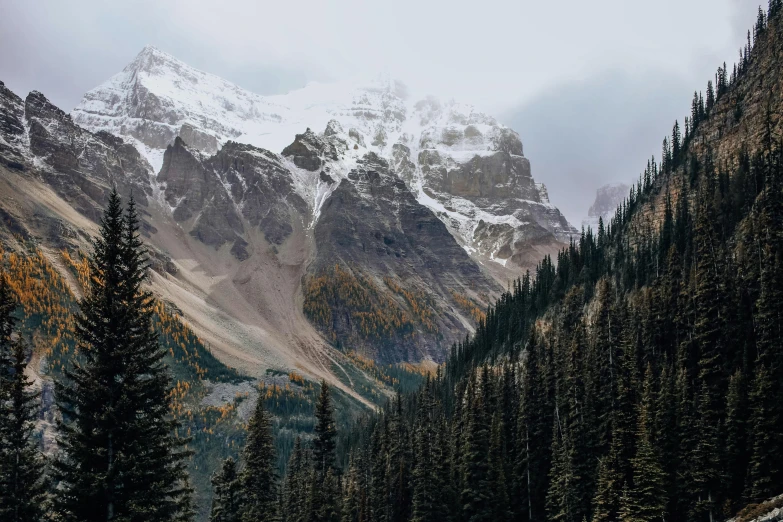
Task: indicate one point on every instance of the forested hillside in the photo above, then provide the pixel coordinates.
(638, 376)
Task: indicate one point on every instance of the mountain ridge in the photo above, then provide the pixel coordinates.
(157, 97)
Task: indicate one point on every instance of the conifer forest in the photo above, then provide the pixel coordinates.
(635, 376)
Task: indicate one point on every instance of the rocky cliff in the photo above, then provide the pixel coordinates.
(240, 234)
(348, 215)
(464, 165)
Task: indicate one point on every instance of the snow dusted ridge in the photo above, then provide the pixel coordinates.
(464, 165)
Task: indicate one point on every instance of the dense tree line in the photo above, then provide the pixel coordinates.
(638, 376)
(311, 489)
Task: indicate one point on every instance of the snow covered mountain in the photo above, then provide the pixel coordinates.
(465, 166)
(347, 215)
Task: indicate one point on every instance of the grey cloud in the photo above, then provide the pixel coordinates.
(582, 135)
(537, 65)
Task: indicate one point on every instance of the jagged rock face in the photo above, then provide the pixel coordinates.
(371, 223)
(218, 194)
(12, 131)
(144, 101)
(459, 162)
(471, 171)
(196, 193)
(607, 199)
(372, 220)
(198, 139)
(81, 166)
(410, 196)
(485, 180)
(309, 151)
(261, 187)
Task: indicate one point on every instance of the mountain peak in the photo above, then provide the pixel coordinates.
(150, 57)
(462, 163)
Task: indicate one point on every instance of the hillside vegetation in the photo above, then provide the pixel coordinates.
(638, 376)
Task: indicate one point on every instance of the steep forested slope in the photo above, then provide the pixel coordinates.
(639, 376)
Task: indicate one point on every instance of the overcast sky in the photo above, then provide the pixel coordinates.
(591, 86)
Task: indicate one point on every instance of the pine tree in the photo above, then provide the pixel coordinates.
(379, 488)
(561, 499)
(354, 503)
(398, 464)
(423, 478)
(227, 498)
(769, 305)
(709, 300)
(764, 429)
(325, 433)
(120, 458)
(7, 327)
(259, 477)
(705, 461)
(324, 502)
(666, 427)
(647, 498)
(736, 440)
(534, 436)
(499, 503)
(329, 508)
(446, 492)
(710, 97)
(676, 143)
(295, 485)
(475, 488)
(606, 503)
(22, 484)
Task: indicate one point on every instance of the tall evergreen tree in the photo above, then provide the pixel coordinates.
(7, 328)
(561, 500)
(475, 489)
(120, 457)
(423, 478)
(764, 430)
(534, 436)
(499, 503)
(354, 505)
(325, 433)
(379, 487)
(295, 486)
(398, 464)
(259, 476)
(736, 450)
(22, 484)
(227, 497)
(325, 490)
(646, 500)
(606, 503)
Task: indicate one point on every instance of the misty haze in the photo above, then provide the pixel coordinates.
(364, 262)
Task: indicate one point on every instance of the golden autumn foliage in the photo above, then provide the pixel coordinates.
(46, 304)
(371, 312)
(469, 306)
(183, 344)
(420, 304)
(421, 369)
(371, 368)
